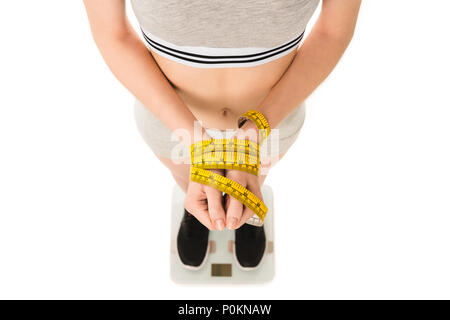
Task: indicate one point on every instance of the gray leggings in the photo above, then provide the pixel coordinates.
(159, 137)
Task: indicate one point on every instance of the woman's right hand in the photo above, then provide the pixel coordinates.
(206, 204)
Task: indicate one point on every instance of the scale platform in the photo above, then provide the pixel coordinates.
(220, 266)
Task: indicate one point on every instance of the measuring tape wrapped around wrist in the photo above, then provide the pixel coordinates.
(259, 120)
(231, 154)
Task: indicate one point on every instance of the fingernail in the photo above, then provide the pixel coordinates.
(233, 222)
(220, 224)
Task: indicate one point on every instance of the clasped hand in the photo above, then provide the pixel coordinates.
(214, 210)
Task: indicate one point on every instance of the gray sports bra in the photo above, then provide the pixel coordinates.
(223, 33)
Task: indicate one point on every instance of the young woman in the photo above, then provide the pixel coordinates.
(211, 61)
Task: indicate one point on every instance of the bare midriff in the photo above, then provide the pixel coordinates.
(217, 96)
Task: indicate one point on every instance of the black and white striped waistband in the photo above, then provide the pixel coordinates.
(209, 57)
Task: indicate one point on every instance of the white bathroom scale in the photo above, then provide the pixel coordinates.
(220, 266)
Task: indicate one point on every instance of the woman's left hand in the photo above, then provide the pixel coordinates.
(236, 213)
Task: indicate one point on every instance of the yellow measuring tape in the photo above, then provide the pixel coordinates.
(259, 120)
(231, 154)
(232, 188)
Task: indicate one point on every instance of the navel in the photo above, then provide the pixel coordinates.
(225, 112)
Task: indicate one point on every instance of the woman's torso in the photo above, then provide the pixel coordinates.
(223, 57)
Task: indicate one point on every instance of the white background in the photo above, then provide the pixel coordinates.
(362, 199)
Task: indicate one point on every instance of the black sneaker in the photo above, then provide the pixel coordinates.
(192, 242)
(249, 246)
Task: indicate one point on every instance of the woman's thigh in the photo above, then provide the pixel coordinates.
(180, 170)
(265, 167)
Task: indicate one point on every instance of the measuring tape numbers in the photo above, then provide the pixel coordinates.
(231, 154)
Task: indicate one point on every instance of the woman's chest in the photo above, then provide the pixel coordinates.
(224, 23)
